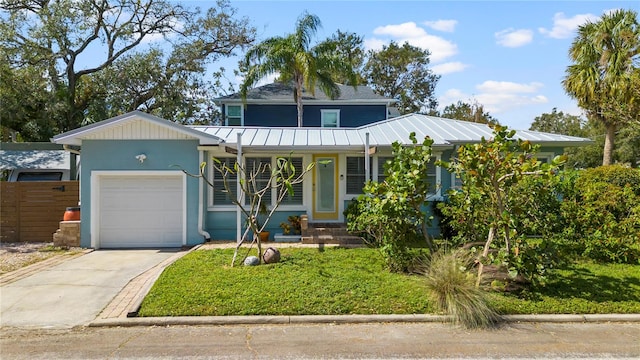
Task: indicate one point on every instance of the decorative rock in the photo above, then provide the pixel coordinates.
(271, 255)
(251, 261)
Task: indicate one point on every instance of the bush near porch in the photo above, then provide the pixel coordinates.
(338, 281)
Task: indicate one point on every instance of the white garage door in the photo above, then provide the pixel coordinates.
(141, 211)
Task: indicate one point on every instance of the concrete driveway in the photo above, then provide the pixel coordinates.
(74, 292)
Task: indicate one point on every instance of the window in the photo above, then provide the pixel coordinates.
(296, 198)
(330, 118)
(40, 176)
(356, 175)
(382, 160)
(234, 115)
(220, 195)
(262, 176)
(432, 176)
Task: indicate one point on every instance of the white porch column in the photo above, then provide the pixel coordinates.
(367, 163)
(239, 192)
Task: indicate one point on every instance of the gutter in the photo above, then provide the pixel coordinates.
(201, 229)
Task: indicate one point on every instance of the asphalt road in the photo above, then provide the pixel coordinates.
(353, 341)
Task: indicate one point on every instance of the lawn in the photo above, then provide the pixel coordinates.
(353, 281)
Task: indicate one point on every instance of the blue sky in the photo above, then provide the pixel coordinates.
(510, 56)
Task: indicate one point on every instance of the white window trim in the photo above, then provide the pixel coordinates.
(226, 117)
(541, 155)
(437, 195)
(283, 207)
(329, 111)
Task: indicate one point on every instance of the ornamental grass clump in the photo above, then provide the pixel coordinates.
(454, 291)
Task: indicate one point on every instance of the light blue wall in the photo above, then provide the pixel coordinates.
(120, 155)
(221, 225)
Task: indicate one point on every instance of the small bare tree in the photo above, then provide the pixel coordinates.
(254, 187)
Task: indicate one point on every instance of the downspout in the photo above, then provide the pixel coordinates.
(201, 230)
(239, 193)
(367, 162)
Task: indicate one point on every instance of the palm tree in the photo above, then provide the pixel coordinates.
(606, 54)
(293, 58)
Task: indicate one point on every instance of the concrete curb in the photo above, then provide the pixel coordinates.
(348, 319)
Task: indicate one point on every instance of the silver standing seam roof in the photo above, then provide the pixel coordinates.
(444, 132)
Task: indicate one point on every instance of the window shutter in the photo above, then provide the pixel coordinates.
(297, 197)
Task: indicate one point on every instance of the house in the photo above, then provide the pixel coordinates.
(134, 194)
(272, 105)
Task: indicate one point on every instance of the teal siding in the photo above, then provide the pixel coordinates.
(222, 224)
(119, 155)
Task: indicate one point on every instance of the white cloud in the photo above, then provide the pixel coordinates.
(449, 68)
(491, 86)
(514, 38)
(564, 27)
(405, 30)
(269, 79)
(374, 44)
(498, 96)
(442, 25)
(409, 32)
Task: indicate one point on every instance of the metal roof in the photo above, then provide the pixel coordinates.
(34, 159)
(444, 132)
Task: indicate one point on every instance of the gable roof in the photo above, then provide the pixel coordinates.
(283, 93)
(444, 132)
(135, 125)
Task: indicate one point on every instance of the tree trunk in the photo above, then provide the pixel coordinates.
(298, 91)
(607, 158)
(485, 253)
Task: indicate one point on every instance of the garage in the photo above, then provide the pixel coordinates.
(142, 210)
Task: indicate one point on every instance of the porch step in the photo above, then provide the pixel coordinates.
(328, 233)
(328, 239)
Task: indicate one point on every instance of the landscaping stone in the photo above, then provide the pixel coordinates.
(251, 261)
(271, 255)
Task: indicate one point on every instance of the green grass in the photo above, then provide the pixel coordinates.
(338, 281)
(582, 288)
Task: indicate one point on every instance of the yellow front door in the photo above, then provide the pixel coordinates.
(325, 187)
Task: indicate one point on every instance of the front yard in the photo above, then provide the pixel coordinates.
(335, 281)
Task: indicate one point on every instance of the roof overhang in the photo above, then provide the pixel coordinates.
(135, 125)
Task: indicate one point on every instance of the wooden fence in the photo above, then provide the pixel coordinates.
(32, 211)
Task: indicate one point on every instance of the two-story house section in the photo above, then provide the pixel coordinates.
(273, 105)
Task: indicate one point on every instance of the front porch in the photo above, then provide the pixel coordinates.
(327, 233)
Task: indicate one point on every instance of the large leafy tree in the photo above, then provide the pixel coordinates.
(72, 45)
(402, 72)
(605, 56)
(349, 46)
(557, 122)
(491, 202)
(473, 112)
(295, 60)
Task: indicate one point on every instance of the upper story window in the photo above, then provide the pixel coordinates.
(330, 118)
(234, 115)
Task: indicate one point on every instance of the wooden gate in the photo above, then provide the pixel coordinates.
(32, 211)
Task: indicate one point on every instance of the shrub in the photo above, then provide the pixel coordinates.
(602, 214)
(454, 291)
(392, 212)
